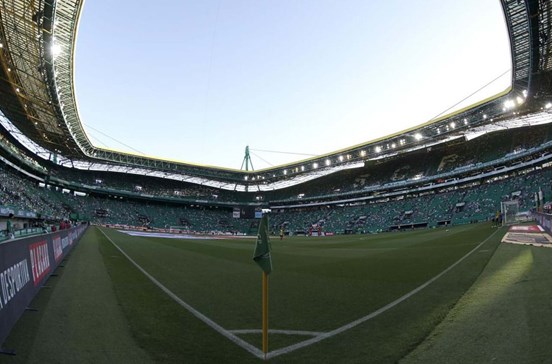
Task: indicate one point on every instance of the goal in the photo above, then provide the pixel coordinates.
(510, 210)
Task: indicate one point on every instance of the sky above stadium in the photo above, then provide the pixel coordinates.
(198, 81)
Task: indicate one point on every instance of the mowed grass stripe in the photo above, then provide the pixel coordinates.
(168, 333)
(163, 328)
(229, 335)
(504, 317)
(78, 317)
(223, 283)
(440, 303)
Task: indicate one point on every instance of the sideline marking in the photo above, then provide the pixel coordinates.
(379, 311)
(321, 336)
(221, 330)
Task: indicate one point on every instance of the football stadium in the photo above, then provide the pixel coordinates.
(428, 245)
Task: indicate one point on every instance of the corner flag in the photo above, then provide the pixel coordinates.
(262, 247)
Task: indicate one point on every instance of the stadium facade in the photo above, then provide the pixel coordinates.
(502, 141)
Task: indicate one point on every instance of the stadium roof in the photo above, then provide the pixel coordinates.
(39, 108)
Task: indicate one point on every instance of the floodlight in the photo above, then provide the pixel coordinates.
(508, 104)
(362, 153)
(418, 136)
(340, 158)
(378, 149)
(453, 125)
(328, 162)
(548, 105)
(56, 50)
(315, 165)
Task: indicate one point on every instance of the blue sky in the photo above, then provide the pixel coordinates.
(197, 81)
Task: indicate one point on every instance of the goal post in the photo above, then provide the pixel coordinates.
(509, 210)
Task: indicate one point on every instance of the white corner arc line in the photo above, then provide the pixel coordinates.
(379, 311)
(221, 330)
(281, 332)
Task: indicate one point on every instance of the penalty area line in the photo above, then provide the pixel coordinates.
(339, 330)
(221, 330)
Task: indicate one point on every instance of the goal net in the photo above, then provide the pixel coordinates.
(510, 210)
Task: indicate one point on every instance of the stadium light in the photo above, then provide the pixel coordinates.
(548, 105)
(315, 165)
(465, 121)
(508, 104)
(56, 50)
(378, 149)
(393, 145)
(328, 162)
(453, 125)
(340, 158)
(285, 172)
(418, 136)
(484, 116)
(362, 153)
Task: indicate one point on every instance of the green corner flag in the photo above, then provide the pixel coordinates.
(262, 247)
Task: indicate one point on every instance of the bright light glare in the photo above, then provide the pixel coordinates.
(508, 104)
(418, 136)
(56, 50)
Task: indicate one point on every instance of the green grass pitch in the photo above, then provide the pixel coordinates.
(318, 284)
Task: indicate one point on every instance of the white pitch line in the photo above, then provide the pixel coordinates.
(322, 336)
(272, 331)
(221, 330)
(381, 310)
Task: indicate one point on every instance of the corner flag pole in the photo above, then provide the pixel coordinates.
(265, 313)
(262, 257)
